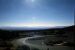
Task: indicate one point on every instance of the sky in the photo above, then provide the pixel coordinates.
(33, 13)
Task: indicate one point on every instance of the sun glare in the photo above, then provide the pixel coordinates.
(32, 25)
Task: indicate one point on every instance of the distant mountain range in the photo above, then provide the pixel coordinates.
(30, 28)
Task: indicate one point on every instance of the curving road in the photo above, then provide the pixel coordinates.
(37, 42)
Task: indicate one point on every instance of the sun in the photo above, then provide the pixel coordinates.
(34, 18)
(32, 0)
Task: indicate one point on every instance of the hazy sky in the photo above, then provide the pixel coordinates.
(37, 12)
